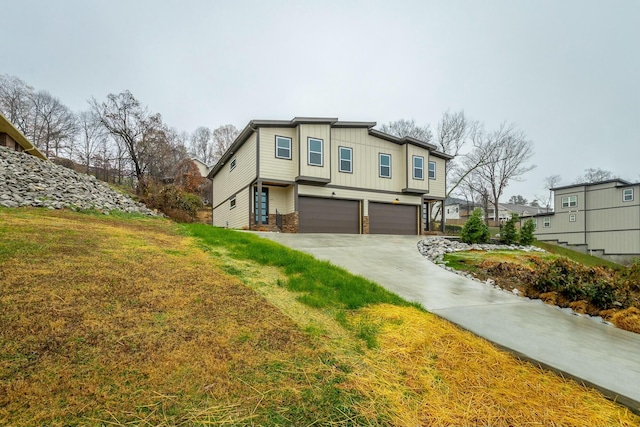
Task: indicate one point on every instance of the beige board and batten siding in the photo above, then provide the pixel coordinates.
(322, 132)
(353, 138)
(437, 186)
(272, 167)
(238, 217)
(229, 183)
(418, 184)
(282, 199)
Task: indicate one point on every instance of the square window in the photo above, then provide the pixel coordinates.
(315, 151)
(627, 195)
(385, 165)
(232, 202)
(232, 165)
(283, 147)
(432, 170)
(570, 201)
(418, 167)
(547, 222)
(346, 159)
(572, 217)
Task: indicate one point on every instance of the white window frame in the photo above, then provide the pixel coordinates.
(546, 222)
(380, 165)
(288, 149)
(232, 203)
(432, 176)
(627, 195)
(416, 168)
(567, 201)
(349, 160)
(572, 217)
(309, 152)
(232, 164)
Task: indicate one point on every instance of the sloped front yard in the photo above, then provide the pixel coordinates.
(129, 321)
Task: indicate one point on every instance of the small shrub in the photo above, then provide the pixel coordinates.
(601, 294)
(509, 233)
(475, 230)
(172, 201)
(526, 232)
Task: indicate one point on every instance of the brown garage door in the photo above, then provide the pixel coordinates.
(385, 218)
(316, 215)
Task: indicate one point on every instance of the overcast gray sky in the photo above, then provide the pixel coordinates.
(566, 72)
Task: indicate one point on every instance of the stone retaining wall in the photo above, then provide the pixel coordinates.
(29, 181)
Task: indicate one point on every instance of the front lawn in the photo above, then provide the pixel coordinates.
(139, 321)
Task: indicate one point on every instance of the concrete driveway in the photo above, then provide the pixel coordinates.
(593, 352)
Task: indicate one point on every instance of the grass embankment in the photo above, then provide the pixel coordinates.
(129, 322)
(585, 259)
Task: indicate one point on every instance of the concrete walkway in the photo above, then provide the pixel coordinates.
(592, 352)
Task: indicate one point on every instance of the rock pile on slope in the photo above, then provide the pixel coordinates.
(26, 180)
(434, 248)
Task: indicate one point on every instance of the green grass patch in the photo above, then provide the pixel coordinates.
(588, 260)
(322, 284)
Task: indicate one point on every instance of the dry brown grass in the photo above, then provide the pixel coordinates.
(429, 372)
(129, 323)
(113, 322)
(628, 319)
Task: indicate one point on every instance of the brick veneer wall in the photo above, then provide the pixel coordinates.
(365, 225)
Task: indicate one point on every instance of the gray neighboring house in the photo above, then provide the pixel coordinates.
(601, 218)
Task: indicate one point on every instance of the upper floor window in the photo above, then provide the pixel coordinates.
(627, 195)
(418, 167)
(283, 147)
(432, 170)
(547, 222)
(385, 165)
(315, 151)
(570, 201)
(232, 165)
(346, 159)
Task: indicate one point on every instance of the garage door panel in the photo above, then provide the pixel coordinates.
(317, 215)
(385, 218)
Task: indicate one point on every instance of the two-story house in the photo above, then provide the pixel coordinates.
(601, 218)
(322, 175)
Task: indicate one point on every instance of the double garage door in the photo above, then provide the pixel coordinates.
(317, 215)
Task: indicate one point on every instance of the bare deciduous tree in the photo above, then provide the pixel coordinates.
(202, 146)
(402, 128)
(16, 102)
(592, 175)
(92, 137)
(223, 137)
(504, 153)
(131, 123)
(549, 182)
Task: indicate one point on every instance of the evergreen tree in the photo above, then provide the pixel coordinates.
(509, 233)
(526, 233)
(475, 230)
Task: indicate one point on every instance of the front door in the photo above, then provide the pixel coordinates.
(261, 203)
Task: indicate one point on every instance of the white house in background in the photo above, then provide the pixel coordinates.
(601, 218)
(322, 175)
(203, 168)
